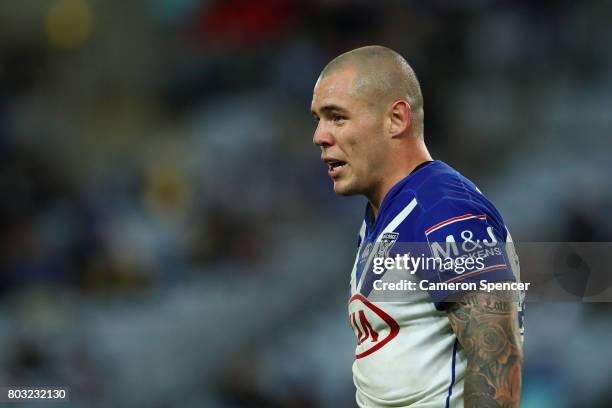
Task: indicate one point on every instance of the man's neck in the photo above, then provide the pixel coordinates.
(376, 199)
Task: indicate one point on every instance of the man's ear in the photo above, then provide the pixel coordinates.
(400, 118)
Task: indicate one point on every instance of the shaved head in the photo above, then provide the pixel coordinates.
(382, 77)
(369, 112)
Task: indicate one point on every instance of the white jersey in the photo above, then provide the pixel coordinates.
(407, 354)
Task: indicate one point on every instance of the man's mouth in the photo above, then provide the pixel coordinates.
(333, 165)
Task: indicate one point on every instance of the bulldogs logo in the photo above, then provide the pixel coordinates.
(387, 240)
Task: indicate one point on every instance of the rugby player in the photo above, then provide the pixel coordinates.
(439, 349)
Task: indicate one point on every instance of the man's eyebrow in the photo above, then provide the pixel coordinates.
(331, 108)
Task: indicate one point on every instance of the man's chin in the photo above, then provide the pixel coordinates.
(343, 188)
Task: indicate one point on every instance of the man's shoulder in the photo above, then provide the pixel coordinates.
(439, 182)
(439, 193)
(434, 186)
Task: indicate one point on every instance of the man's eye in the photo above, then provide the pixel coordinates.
(338, 118)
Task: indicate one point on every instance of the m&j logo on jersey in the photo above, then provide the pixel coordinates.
(467, 235)
(372, 326)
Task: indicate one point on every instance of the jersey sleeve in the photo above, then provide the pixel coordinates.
(465, 243)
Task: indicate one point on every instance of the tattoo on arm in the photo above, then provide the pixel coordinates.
(487, 328)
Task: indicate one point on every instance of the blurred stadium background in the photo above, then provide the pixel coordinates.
(169, 237)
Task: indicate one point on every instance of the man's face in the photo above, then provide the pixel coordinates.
(350, 133)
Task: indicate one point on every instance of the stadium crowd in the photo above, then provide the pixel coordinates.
(169, 237)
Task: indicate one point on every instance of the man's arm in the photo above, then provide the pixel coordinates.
(487, 329)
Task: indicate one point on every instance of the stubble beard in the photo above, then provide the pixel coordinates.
(349, 186)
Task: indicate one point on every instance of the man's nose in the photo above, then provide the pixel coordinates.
(322, 136)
